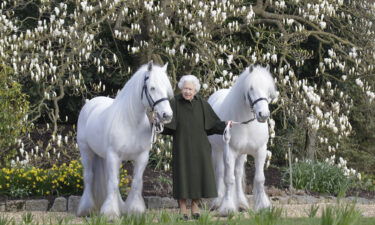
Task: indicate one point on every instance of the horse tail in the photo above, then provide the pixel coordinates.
(243, 181)
(99, 189)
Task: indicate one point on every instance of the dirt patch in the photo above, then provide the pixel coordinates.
(155, 182)
(159, 183)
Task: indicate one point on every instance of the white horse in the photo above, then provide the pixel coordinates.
(112, 130)
(246, 102)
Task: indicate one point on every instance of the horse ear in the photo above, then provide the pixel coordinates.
(251, 68)
(268, 67)
(165, 67)
(149, 66)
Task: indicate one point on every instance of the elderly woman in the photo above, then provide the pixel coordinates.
(193, 119)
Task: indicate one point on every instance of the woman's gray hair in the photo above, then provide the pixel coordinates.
(189, 78)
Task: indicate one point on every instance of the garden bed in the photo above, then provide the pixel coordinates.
(159, 183)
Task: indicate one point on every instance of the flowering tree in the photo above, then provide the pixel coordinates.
(14, 108)
(50, 44)
(321, 53)
(320, 65)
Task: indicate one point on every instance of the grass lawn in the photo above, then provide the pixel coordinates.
(237, 219)
(280, 221)
(337, 215)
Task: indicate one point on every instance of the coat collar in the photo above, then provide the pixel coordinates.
(180, 98)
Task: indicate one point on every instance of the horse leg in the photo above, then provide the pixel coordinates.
(86, 203)
(239, 174)
(134, 202)
(228, 204)
(217, 160)
(260, 196)
(110, 207)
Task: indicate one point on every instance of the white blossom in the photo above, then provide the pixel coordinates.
(359, 82)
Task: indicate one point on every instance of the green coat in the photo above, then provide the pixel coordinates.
(193, 174)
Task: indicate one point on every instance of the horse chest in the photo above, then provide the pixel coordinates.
(248, 139)
(136, 139)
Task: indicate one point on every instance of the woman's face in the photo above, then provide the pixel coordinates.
(188, 90)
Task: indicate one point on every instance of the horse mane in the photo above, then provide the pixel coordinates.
(259, 76)
(135, 82)
(130, 94)
(262, 76)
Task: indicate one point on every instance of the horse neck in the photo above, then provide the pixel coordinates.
(236, 105)
(129, 103)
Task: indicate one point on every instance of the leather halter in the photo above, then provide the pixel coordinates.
(252, 103)
(149, 98)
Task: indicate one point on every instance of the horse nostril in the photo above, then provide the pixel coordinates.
(266, 115)
(166, 116)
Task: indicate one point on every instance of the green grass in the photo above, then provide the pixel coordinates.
(340, 214)
(282, 221)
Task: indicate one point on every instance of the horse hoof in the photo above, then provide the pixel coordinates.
(215, 204)
(214, 207)
(135, 210)
(134, 206)
(110, 212)
(112, 217)
(243, 206)
(262, 203)
(262, 206)
(226, 210)
(83, 211)
(242, 209)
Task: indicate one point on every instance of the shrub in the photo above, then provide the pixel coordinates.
(322, 177)
(367, 183)
(14, 107)
(161, 153)
(66, 179)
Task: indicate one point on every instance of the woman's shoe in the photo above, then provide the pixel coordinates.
(183, 213)
(185, 217)
(195, 209)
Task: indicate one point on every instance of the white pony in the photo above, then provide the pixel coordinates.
(246, 102)
(112, 130)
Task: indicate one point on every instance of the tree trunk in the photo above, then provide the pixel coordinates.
(310, 144)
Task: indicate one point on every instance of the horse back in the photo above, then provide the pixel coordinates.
(216, 100)
(92, 108)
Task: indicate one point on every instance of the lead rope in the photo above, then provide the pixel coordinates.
(227, 135)
(156, 126)
(153, 135)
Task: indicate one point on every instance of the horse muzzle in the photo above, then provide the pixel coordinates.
(262, 116)
(165, 117)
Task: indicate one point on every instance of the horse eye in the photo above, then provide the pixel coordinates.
(251, 88)
(152, 88)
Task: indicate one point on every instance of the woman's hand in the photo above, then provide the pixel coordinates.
(229, 122)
